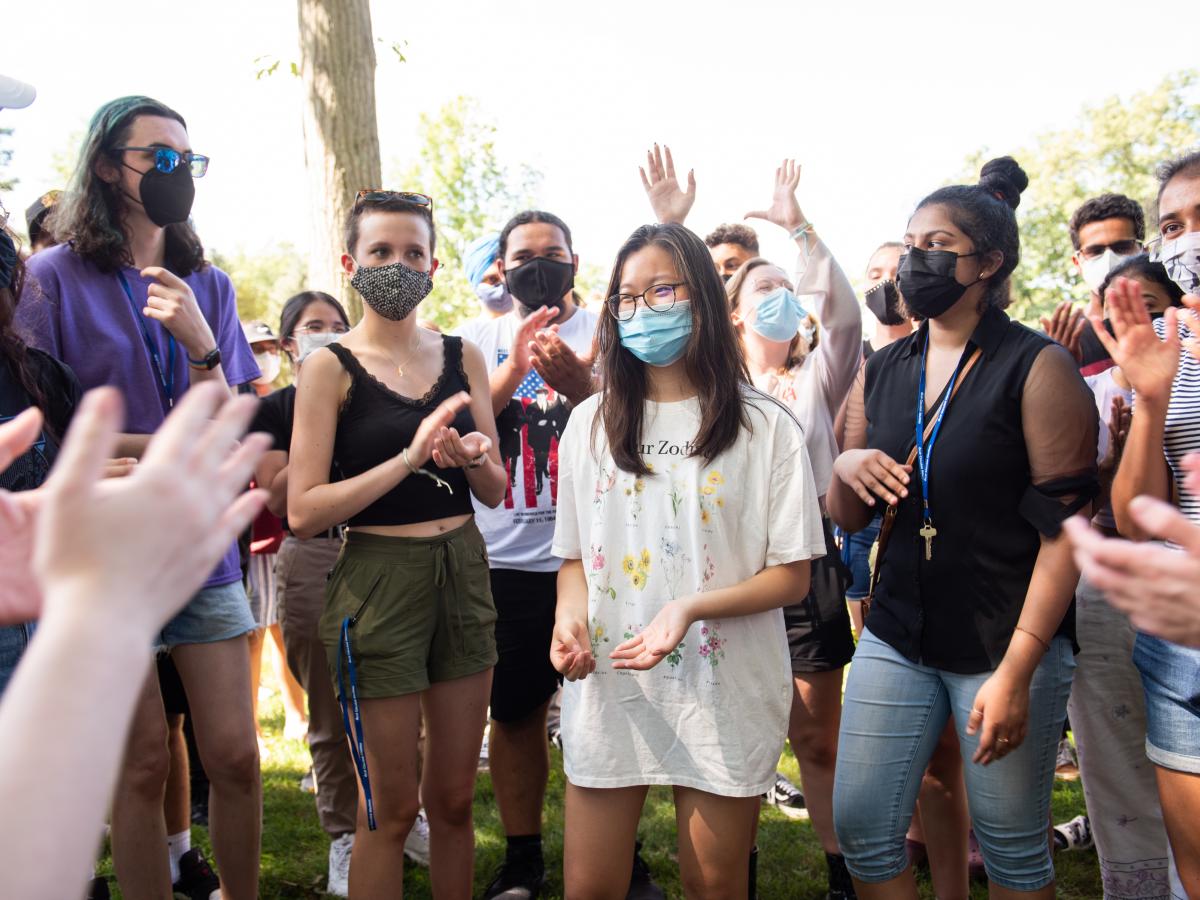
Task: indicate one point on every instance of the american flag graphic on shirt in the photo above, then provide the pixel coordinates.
(525, 394)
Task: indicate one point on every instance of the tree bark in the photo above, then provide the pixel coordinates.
(341, 135)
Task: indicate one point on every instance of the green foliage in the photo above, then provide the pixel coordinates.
(264, 280)
(473, 192)
(1114, 146)
(6, 184)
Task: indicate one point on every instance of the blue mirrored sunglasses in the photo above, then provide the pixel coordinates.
(167, 160)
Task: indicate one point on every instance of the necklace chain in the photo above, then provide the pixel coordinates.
(411, 353)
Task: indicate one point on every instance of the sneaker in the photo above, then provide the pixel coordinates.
(787, 798)
(554, 735)
(416, 845)
(1066, 764)
(197, 880)
(641, 884)
(483, 753)
(519, 878)
(98, 889)
(308, 783)
(1074, 835)
(841, 887)
(339, 865)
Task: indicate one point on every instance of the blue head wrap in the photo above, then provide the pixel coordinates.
(479, 257)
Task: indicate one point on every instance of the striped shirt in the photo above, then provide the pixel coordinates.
(1182, 435)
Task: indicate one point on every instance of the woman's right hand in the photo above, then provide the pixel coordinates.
(571, 650)
(1149, 364)
(871, 474)
(421, 448)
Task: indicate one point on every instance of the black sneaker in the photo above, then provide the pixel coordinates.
(787, 798)
(197, 880)
(98, 889)
(519, 878)
(841, 887)
(641, 885)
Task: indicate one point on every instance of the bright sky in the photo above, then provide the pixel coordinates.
(880, 102)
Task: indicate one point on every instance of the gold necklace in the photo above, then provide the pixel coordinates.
(409, 358)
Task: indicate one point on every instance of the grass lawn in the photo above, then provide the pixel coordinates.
(791, 865)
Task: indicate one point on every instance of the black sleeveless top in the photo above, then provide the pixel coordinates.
(375, 424)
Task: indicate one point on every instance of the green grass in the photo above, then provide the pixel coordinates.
(791, 864)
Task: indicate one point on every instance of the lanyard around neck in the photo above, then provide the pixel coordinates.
(925, 450)
(166, 379)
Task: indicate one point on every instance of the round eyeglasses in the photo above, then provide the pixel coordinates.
(658, 297)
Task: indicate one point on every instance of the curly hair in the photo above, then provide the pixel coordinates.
(1108, 206)
(742, 235)
(89, 212)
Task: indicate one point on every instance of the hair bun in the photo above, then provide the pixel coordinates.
(1004, 179)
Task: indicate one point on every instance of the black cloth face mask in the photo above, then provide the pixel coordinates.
(540, 282)
(883, 301)
(167, 196)
(926, 279)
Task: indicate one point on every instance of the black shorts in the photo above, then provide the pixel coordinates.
(818, 627)
(174, 697)
(523, 678)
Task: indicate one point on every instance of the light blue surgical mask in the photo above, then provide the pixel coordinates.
(778, 316)
(658, 338)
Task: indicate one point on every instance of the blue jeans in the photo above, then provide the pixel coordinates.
(894, 712)
(856, 554)
(13, 641)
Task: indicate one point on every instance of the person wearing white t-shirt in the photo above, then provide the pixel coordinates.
(539, 358)
(688, 516)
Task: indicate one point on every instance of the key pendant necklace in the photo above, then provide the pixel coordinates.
(925, 451)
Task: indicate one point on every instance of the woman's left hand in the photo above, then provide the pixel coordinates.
(453, 452)
(1001, 710)
(656, 640)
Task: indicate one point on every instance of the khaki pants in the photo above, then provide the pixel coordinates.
(1108, 717)
(301, 572)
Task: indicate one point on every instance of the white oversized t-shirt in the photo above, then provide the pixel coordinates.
(713, 714)
(518, 531)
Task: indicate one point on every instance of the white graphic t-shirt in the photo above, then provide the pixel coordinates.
(518, 531)
(713, 714)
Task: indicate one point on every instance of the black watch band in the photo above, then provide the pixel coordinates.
(211, 360)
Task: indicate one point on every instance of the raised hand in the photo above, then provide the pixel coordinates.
(134, 549)
(1149, 364)
(784, 210)
(520, 357)
(1065, 326)
(670, 204)
(647, 648)
(561, 367)
(172, 302)
(1192, 302)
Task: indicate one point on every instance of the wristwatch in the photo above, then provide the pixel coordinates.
(210, 361)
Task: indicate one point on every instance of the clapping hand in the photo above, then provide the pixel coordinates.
(450, 451)
(670, 204)
(1149, 364)
(1065, 326)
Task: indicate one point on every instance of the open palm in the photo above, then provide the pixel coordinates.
(669, 202)
(1146, 361)
(784, 210)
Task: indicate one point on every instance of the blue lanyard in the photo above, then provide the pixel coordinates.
(166, 380)
(924, 451)
(355, 734)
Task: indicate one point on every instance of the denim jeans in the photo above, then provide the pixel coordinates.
(1171, 681)
(13, 641)
(893, 714)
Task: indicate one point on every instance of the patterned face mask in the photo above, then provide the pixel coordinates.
(1181, 259)
(393, 291)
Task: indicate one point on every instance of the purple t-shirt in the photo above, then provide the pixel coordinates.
(82, 316)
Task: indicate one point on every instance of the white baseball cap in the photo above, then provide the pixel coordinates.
(15, 94)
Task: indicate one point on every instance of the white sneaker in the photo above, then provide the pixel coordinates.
(416, 845)
(339, 865)
(1074, 835)
(483, 753)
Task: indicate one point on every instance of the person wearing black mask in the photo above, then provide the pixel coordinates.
(883, 300)
(971, 619)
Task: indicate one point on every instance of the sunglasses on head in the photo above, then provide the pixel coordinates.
(379, 195)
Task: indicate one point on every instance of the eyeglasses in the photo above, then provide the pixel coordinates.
(1126, 247)
(167, 160)
(657, 297)
(379, 195)
(320, 328)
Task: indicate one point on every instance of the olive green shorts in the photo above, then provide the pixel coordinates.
(420, 610)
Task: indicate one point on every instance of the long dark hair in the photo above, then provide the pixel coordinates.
(713, 358)
(13, 351)
(295, 306)
(89, 212)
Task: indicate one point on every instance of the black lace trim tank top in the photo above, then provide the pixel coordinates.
(375, 424)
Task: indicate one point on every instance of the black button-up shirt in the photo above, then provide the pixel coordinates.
(1015, 456)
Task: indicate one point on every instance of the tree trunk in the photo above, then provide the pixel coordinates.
(341, 136)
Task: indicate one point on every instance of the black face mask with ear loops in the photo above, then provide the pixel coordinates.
(926, 279)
